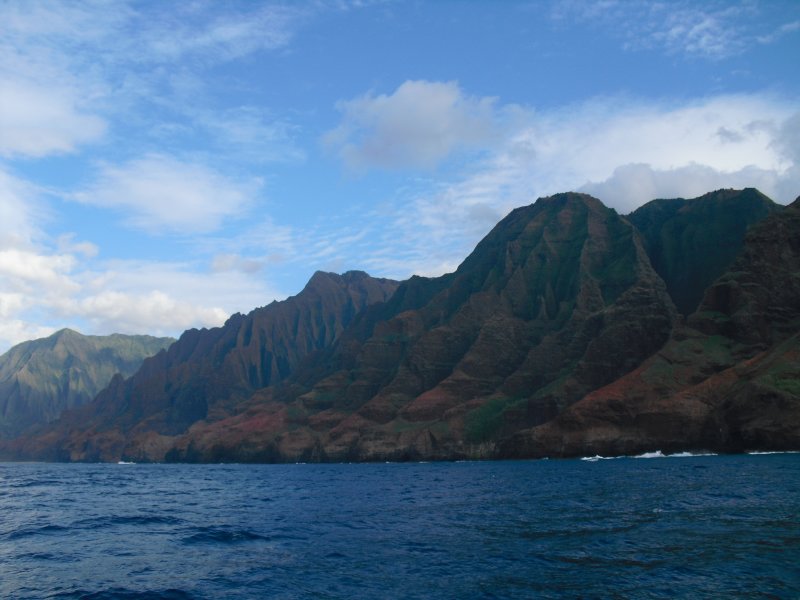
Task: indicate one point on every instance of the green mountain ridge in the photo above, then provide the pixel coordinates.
(39, 379)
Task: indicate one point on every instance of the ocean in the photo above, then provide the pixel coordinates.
(658, 527)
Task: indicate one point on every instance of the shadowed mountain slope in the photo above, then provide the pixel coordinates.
(727, 381)
(207, 372)
(41, 378)
(557, 300)
(555, 337)
(692, 242)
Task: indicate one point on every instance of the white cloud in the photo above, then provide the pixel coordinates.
(159, 297)
(47, 291)
(250, 133)
(711, 30)
(235, 262)
(73, 73)
(15, 331)
(575, 147)
(207, 30)
(49, 282)
(28, 271)
(66, 243)
(20, 212)
(131, 33)
(419, 125)
(155, 313)
(626, 151)
(629, 184)
(47, 102)
(37, 120)
(781, 31)
(162, 194)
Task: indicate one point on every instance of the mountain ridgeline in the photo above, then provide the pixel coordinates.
(207, 373)
(569, 330)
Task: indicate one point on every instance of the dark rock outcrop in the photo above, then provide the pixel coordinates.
(41, 378)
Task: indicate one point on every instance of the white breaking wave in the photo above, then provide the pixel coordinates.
(656, 454)
(774, 452)
(597, 457)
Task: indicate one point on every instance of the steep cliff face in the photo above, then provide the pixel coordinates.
(557, 300)
(692, 242)
(555, 337)
(41, 378)
(727, 381)
(206, 373)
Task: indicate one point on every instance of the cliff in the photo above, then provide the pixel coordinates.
(726, 381)
(207, 373)
(559, 299)
(557, 336)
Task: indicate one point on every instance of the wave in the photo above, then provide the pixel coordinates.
(597, 457)
(655, 454)
(34, 531)
(774, 452)
(223, 536)
(125, 594)
(136, 520)
(659, 454)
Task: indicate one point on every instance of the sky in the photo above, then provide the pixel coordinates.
(165, 164)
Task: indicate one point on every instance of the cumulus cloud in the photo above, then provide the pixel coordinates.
(160, 193)
(153, 312)
(49, 282)
(417, 126)
(159, 298)
(630, 184)
(162, 297)
(15, 331)
(28, 271)
(681, 144)
(37, 120)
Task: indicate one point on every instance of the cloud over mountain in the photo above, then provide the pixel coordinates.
(420, 124)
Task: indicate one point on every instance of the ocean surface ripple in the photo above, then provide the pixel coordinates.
(689, 527)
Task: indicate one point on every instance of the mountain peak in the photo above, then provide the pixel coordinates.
(40, 378)
(692, 242)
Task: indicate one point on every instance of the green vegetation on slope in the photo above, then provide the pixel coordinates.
(41, 378)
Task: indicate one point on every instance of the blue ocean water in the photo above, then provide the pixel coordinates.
(698, 527)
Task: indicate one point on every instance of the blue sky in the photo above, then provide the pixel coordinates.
(166, 164)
